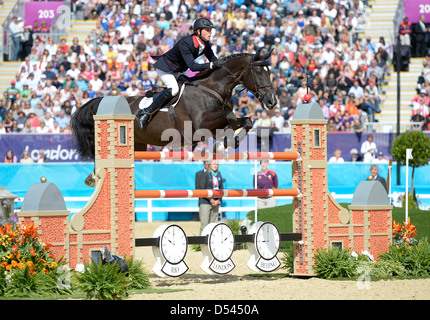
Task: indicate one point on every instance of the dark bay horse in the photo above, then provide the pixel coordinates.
(206, 103)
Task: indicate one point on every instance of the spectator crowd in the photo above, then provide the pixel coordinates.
(421, 103)
(316, 49)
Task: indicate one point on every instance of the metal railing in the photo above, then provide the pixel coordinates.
(5, 38)
(56, 31)
(398, 17)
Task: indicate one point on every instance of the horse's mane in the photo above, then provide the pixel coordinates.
(236, 55)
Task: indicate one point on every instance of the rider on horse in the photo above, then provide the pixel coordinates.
(177, 60)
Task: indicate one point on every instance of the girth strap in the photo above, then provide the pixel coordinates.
(175, 122)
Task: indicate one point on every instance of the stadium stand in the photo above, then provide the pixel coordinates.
(324, 40)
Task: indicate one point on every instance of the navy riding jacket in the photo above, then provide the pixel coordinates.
(181, 57)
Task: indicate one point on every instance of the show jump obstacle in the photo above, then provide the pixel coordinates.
(109, 217)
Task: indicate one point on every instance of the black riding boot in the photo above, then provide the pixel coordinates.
(159, 101)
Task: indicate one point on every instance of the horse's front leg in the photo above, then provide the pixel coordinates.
(207, 125)
(229, 138)
(245, 124)
(216, 125)
(213, 120)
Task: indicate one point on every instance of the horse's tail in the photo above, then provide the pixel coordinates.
(82, 124)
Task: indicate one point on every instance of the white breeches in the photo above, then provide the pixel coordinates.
(169, 81)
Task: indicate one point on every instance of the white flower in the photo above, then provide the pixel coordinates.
(354, 254)
(80, 268)
(368, 255)
(8, 276)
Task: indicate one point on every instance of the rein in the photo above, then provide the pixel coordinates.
(237, 81)
(251, 71)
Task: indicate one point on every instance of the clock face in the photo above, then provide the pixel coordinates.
(173, 244)
(267, 240)
(221, 242)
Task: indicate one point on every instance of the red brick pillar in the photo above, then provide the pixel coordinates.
(308, 137)
(108, 218)
(321, 220)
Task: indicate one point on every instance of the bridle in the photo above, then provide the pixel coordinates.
(250, 71)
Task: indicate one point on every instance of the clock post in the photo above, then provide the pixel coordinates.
(310, 216)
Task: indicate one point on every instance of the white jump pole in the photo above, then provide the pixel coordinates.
(408, 156)
(389, 186)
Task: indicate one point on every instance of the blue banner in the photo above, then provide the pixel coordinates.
(60, 147)
(57, 147)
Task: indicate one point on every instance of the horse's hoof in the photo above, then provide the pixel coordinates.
(91, 180)
(218, 147)
(248, 124)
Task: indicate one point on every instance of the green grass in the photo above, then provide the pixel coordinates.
(159, 291)
(79, 295)
(282, 217)
(420, 219)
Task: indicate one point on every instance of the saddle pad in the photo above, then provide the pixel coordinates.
(146, 102)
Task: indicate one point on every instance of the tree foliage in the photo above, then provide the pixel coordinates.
(416, 140)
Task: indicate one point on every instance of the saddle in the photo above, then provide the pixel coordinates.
(169, 106)
(156, 89)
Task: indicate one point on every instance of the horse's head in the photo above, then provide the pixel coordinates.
(258, 79)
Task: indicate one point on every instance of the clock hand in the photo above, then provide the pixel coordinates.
(226, 238)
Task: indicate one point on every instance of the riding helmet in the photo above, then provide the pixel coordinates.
(202, 23)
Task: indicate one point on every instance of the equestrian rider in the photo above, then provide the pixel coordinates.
(177, 60)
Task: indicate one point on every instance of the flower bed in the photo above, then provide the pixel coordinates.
(406, 257)
(20, 246)
(27, 266)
